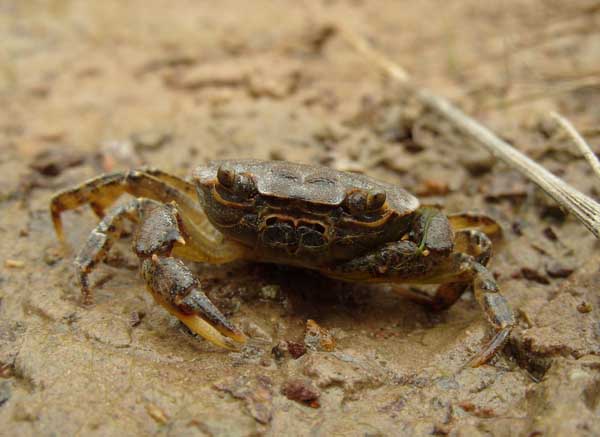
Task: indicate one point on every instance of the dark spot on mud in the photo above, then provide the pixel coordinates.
(52, 162)
(534, 275)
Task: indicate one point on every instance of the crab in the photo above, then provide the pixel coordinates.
(344, 225)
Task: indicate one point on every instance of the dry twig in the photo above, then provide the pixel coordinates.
(581, 206)
(584, 147)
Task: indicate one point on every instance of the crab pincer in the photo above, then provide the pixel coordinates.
(171, 282)
(176, 289)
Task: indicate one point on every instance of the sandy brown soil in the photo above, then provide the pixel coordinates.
(87, 87)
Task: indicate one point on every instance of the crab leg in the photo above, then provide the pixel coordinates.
(471, 242)
(404, 262)
(101, 239)
(475, 221)
(169, 281)
(205, 244)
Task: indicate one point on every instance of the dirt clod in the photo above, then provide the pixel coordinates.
(557, 269)
(534, 275)
(256, 393)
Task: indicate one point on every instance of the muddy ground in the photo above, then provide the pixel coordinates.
(87, 87)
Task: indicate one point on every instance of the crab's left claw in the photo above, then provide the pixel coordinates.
(202, 317)
(177, 290)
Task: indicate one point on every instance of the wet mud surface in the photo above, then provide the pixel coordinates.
(89, 87)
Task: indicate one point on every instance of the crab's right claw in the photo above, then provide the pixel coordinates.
(175, 288)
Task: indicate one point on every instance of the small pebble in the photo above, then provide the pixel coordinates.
(270, 292)
(136, 318)
(279, 350)
(550, 234)
(584, 307)
(317, 338)
(301, 390)
(14, 264)
(52, 256)
(156, 413)
(296, 350)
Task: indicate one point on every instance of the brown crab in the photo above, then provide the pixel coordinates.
(344, 225)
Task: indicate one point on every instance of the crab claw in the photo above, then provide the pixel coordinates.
(202, 317)
(174, 287)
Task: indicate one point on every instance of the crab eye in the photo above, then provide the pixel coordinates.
(360, 202)
(226, 176)
(375, 200)
(357, 202)
(244, 185)
(239, 185)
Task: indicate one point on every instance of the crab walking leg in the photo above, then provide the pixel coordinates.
(101, 239)
(177, 290)
(207, 245)
(403, 262)
(181, 184)
(168, 280)
(497, 310)
(470, 242)
(475, 221)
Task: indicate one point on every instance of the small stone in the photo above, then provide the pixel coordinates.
(270, 292)
(14, 263)
(157, 414)
(296, 350)
(317, 338)
(301, 390)
(256, 332)
(584, 307)
(279, 350)
(517, 227)
(136, 318)
(550, 234)
(51, 256)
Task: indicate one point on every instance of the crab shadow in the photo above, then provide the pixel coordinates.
(296, 295)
